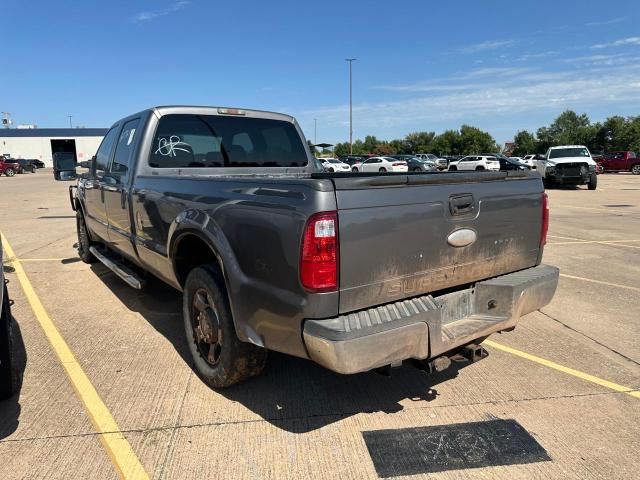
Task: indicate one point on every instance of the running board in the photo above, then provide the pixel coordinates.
(125, 273)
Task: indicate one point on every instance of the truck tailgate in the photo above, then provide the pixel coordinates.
(395, 232)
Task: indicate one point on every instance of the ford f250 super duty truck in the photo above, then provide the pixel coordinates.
(353, 271)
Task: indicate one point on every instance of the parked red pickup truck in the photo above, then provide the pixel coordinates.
(621, 162)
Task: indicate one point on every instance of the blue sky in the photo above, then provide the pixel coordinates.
(498, 65)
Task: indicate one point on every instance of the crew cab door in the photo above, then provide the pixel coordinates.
(94, 205)
(116, 190)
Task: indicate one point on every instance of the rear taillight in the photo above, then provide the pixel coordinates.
(399, 164)
(319, 256)
(545, 219)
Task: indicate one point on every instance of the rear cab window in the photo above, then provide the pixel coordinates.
(215, 141)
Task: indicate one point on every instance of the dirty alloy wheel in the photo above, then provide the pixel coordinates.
(9, 172)
(219, 357)
(636, 169)
(9, 380)
(593, 181)
(84, 242)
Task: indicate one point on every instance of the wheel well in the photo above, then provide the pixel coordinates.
(191, 252)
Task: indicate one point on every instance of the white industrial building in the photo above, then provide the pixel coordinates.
(42, 143)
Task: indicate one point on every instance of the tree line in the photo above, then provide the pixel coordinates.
(615, 133)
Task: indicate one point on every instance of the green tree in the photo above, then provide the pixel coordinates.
(419, 142)
(474, 140)
(341, 149)
(525, 143)
(447, 143)
(370, 144)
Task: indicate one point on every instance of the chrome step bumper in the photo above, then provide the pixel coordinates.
(426, 327)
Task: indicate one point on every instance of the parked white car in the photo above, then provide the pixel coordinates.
(529, 160)
(382, 164)
(334, 165)
(475, 162)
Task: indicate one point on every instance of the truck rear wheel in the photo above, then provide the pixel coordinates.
(593, 181)
(8, 376)
(219, 357)
(84, 242)
(636, 169)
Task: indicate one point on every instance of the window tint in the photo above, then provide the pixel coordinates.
(209, 141)
(122, 158)
(104, 152)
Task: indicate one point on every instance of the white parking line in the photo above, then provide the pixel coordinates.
(617, 285)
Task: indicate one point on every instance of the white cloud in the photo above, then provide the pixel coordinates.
(496, 97)
(148, 15)
(606, 22)
(488, 45)
(619, 43)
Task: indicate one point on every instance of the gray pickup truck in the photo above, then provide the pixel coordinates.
(353, 271)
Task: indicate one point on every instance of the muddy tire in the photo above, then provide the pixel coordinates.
(84, 242)
(593, 181)
(219, 357)
(9, 381)
(9, 172)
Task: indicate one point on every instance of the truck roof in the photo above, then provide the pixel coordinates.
(219, 110)
(567, 146)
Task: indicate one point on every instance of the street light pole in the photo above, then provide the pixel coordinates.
(350, 60)
(70, 124)
(315, 131)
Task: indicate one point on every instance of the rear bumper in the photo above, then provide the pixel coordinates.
(427, 327)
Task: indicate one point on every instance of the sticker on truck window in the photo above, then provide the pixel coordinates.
(168, 147)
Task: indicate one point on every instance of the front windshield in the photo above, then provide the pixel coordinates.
(569, 152)
(334, 161)
(431, 156)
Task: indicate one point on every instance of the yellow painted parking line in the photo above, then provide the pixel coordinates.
(617, 285)
(562, 368)
(117, 446)
(23, 260)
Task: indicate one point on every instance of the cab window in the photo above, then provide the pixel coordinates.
(104, 152)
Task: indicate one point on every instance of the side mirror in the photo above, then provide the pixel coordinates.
(86, 163)
(64, 166)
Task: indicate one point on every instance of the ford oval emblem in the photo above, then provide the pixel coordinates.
(462, 237)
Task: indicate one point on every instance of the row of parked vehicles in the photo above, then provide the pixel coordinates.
(561, 165)
(423, 162)
(13, 166)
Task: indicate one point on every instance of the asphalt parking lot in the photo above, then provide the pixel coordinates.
(569, 375)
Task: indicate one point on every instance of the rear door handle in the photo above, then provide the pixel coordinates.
(461, 204)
